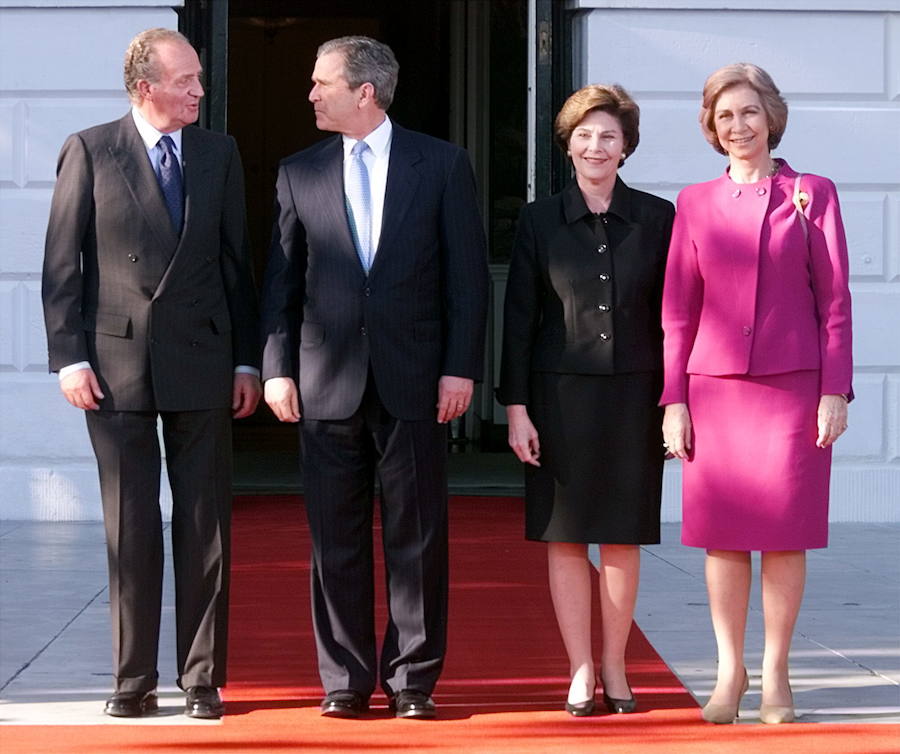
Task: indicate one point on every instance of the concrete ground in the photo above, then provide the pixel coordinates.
(54, 622)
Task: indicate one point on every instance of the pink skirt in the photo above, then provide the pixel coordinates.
(755, 479)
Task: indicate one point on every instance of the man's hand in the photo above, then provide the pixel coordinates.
(81, 389)
(281, 395)
(454, 397)
(245, 394)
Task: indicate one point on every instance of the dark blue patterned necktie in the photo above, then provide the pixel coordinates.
(169, 177)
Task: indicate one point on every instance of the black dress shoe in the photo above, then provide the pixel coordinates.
(132, 704)
(203, 702)
(620, 706)
(344, 703)
(413, 704)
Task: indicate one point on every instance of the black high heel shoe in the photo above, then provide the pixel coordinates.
(583, 709)
(620, 706)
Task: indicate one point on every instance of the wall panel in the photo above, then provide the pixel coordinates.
(60, 71)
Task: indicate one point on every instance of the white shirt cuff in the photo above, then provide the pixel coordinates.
(66, 371)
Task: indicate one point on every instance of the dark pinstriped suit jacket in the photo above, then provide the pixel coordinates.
(162, 319)
(421, 311)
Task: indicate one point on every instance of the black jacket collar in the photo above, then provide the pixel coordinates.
(575, 208)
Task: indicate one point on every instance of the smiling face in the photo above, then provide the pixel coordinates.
(173, 101)
(742, 125)
(596, 147)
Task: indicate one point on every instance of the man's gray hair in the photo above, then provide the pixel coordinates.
(140, 58)
(366, 60)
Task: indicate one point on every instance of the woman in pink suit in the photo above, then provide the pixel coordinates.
(756, 314)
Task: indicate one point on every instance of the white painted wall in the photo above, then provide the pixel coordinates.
(60, 71)
(838, 65)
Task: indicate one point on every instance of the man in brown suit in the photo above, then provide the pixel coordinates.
(151, 313)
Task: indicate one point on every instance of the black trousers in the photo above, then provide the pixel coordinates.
(198, 461)
(340, 460)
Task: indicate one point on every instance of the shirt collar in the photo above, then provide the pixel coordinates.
(149, 134)
(379, 140)
(575, 207)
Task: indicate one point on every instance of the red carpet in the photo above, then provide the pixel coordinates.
(502, 689)
(505, 654)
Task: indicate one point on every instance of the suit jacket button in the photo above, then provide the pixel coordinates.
(603, 276)
(747, 330)
(605, 336)
(603, 308)
(362, 330)
(195, 343)
(132, 258)
(601, 248)
(367, 291)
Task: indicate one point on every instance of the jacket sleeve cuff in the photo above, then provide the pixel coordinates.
(674, 393)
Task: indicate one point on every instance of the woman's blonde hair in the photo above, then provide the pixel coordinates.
(738, 74)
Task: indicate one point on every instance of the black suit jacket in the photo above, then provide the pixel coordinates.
(583, 302)
(162, 319)
(420, 312)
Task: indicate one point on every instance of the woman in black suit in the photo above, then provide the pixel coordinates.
(581, 375)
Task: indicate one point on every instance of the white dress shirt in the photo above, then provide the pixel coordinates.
(376, 160)
(151, 136)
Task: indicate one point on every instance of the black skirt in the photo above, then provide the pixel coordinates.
(600, 479)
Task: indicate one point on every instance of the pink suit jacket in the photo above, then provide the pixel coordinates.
(747, 294)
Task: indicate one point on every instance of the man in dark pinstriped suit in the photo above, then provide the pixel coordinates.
(151, 312)
(386, 346)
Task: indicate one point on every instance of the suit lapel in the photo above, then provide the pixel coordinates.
(329, 197)
(574, 210)
(196, 162)
(196, 167)
(130, 155)
(402, 184)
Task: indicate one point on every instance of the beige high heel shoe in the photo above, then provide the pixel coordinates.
(723, 714)
(775, 714)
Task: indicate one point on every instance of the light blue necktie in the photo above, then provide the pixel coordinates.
(359, 204)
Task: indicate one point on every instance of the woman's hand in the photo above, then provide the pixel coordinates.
(832, 419)
(677, 430)
(523, 437)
